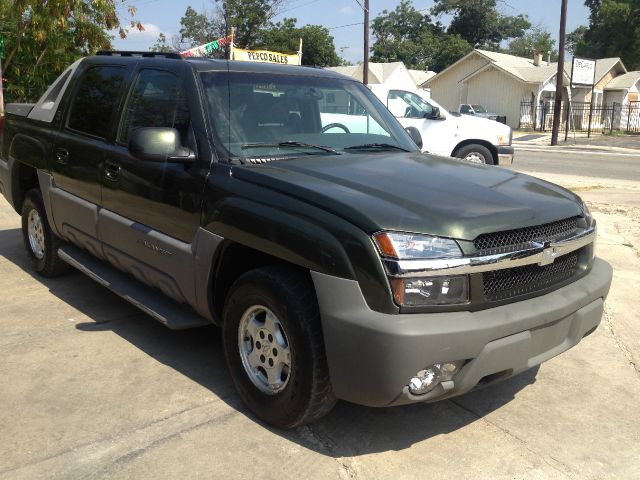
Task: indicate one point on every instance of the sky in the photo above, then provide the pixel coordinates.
(337, 15)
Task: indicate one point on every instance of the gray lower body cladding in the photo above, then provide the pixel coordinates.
(372, 356)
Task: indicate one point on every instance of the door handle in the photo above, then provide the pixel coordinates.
(112, 171)
(62, 156)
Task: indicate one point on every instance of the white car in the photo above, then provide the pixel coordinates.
(474, 139)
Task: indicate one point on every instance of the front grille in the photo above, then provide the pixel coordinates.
(510, 239)
(512, 282)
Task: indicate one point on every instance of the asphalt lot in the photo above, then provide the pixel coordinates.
(92, 388)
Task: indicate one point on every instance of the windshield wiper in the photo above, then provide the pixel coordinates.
(376, 146)
(289, 143)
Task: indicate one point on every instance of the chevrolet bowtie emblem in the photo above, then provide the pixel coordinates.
(548, 256)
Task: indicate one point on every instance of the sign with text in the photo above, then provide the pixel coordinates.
(583, 72)
(207, 49)
(264, 56)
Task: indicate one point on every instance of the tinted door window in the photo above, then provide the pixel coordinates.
(95, 100)
(157, 99)
(408, 105)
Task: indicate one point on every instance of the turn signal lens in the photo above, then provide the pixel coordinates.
(405, 246)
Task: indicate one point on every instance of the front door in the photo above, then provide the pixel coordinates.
(152, 210)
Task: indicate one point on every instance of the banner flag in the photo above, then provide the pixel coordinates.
(208, 48)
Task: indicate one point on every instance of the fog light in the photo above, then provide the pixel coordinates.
(425, 380)
(429, 378)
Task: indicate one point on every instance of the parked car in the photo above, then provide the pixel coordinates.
(476, 140)
(480, 111)
(339, 261)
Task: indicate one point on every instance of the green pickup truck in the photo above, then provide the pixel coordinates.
(340, 262)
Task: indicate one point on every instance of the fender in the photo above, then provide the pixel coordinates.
(303, 235)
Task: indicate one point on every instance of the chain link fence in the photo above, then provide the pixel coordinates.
(582, 117)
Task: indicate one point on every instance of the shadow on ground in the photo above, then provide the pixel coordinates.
(349, 430)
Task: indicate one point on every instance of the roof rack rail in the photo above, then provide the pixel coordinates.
(123, 53)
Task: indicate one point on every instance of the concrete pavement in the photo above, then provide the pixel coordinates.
(92, 388)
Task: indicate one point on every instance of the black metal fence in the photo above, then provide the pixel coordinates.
(582, 117)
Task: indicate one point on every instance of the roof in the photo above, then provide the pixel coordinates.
(378, 72)
(524, 70)
(420, 76)
(624, 82)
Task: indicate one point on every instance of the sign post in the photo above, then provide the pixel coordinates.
(1, 86)
(583, 74)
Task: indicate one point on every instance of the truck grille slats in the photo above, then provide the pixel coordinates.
(500, 241)
(505, 284)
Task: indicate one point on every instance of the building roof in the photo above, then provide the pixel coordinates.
(524, 70)
(623, 82)
(420, 76)
(378, 72)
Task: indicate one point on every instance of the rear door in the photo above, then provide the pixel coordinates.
(79, 152)
(152, 210)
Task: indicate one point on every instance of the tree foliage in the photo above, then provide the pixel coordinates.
(318, 48)
(535, 40)
(43, 38)
(480, 23)
(409, 36)
(248, 17)
(613, 31)
(198, 29)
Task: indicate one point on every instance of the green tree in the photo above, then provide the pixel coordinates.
(574, 38)
(613, 31)
(409, 36)
(318, 48)
(198, 29)
(248, 17)
(161, 45)
(43, 38)
(480, 23)
(535, 40)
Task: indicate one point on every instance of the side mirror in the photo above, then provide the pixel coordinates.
(435, 113)
(414, 133)
(159, 144)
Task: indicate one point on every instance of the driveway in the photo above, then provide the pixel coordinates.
(93, 388)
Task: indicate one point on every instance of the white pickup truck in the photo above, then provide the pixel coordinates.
(475, 139)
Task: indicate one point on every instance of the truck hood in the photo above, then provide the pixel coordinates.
(415, 192)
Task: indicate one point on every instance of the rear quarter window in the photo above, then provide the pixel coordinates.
(95, 99)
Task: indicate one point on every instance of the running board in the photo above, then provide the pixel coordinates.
(172, 314)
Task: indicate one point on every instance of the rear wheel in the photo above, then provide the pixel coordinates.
(475, 153)
(40, 242)
(274, 348)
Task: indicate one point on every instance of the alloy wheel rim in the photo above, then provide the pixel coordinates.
(36, 234)
(264, 350)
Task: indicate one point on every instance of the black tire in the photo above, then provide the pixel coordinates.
(307, 394)
(475, 153)
(44, 261)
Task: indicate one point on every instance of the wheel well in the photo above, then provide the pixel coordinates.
(233, 261)
(25, 178)
(484, 143)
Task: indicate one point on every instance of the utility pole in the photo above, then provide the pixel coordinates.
(559, 74)
(365, 67)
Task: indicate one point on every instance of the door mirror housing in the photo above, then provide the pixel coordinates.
(435, 114)
(414, 133)
(159, 144)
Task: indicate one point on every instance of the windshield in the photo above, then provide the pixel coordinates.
(479, 109)
(272, 116)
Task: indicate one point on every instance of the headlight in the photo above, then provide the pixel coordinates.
(444, 290)
(405, 246)
(423, 291)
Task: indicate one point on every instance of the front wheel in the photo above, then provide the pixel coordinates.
(274, 349)
(40, 242)
(475, 153)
